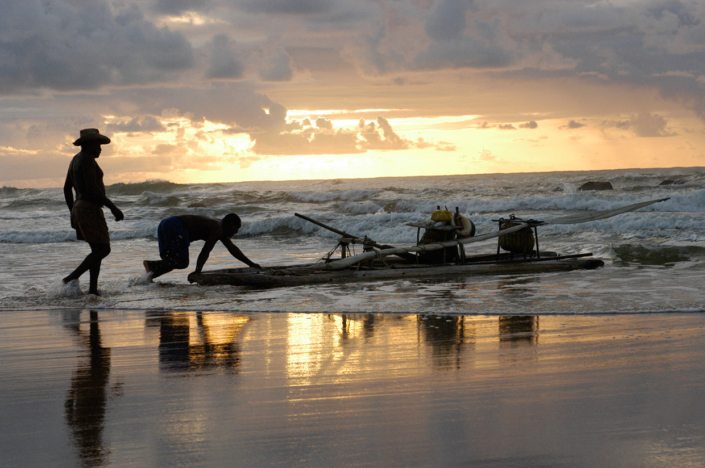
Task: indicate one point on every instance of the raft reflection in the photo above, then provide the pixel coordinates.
(449, 338)
(518, 330)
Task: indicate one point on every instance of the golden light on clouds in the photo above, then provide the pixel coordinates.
(204, 151)
(232, 91)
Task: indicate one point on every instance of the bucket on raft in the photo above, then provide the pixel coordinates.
(521, 241)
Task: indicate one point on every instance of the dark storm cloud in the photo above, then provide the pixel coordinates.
(446, 21)
(65, 45)
(486, 45)
(298, 7)
(224, 62)
(176, 7)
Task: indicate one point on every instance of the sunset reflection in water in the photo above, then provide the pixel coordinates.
(199, 388)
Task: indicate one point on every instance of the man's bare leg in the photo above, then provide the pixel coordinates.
(158, 267)
(91, 262)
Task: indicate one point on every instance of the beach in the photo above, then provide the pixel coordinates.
(585, 368)
(161, 388)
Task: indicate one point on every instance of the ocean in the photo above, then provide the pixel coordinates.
(654, 258)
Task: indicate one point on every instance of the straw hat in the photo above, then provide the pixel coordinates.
(91, 135)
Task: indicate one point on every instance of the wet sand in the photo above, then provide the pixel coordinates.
(142, 388)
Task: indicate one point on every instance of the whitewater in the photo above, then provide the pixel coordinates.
(654, 257)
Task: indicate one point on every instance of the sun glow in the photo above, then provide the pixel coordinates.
(185, 151)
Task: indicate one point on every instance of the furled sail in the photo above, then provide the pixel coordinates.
(595, 215)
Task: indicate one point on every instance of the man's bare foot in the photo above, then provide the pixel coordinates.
(146, 266)
(66, 280)
(95, 293)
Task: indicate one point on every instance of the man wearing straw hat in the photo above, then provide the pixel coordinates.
(86, 178)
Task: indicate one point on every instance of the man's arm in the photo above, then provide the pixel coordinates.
(113, 209)
(205, 251)
(237, 253)
(68, 191)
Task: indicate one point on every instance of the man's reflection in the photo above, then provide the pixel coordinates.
(518, 330)
(449, 338)
(346, 320)
(87, 398)
(212, 344)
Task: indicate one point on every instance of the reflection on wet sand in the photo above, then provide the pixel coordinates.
(198, 341)
(449, 338)
(307, 383)
(350, 320)
(87, 398)
(518, 330)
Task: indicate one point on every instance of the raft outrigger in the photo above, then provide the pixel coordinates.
(439, 253)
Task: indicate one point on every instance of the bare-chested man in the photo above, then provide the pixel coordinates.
(86, 178)
(175, 234)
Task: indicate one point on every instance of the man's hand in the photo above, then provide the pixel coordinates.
(118, 214)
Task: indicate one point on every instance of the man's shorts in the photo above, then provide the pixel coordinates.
(173, 240)
(89, 221)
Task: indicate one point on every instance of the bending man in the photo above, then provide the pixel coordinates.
(175, 234)
(86, 178)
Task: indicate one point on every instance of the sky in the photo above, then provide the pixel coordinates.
(197, 91)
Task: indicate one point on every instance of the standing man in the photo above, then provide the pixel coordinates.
(175, 234)
(86, 178)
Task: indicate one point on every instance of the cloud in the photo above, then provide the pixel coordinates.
(484, 125)
(224, 62)
(573, 124)
(298, 137)
(146, 124)
(176, 7)
(644, 124)
(299, 7)
(42, 165)
(507, 127)
(381, 136)
(531, 124)
(233, 103)
(324, 123)
(487, 46)
(65, 45)
(446, 20)
(275, 64)
(486, 155)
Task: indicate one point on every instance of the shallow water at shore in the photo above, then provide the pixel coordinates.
(187, 388)
(33, 282)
